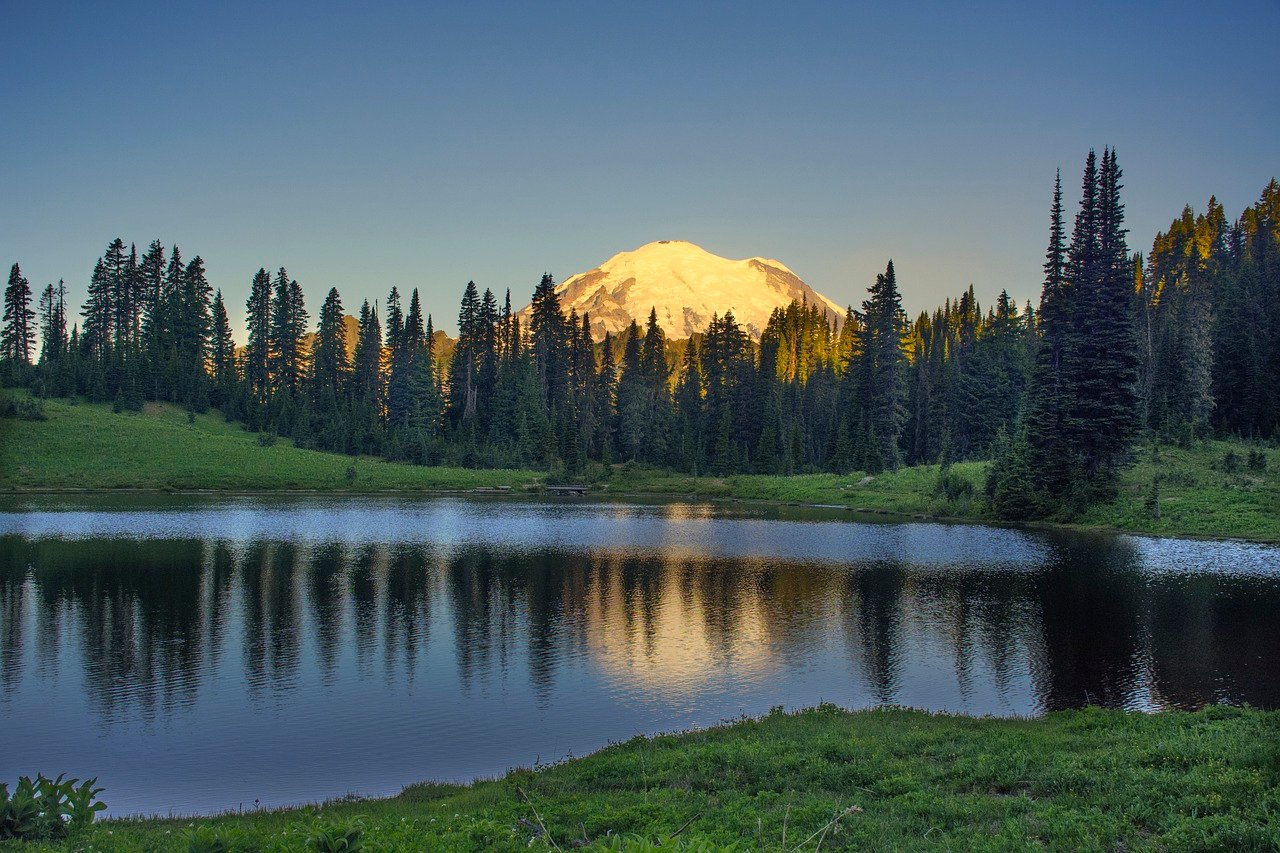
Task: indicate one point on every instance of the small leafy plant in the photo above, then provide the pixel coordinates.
(336, 837)
(47, 808)
(223, 839)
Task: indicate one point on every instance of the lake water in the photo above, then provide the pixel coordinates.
(203, 654)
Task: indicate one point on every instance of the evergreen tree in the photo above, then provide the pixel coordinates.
(222, 351)
(1104, 413)
(632, 393)
(288, 326)
(329, 355)
(17, 337)
(191, 331)
(1050, 391)
(95, 340)
(153, 333)
(689, 405)
(465, 367)
(258, 348)
(884, 367)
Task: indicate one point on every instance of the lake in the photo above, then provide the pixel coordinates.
(199, 654)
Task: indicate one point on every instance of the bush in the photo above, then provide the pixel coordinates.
(1230, 462)
(266, 439)
(1257, 461)
(47, 808)
(953, 486)
(22, 409)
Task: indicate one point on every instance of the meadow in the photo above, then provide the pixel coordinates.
(1206, 489)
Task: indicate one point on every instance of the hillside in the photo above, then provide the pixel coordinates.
(686, 285)
(87, 446)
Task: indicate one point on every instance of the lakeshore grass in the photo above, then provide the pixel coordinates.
(896, 779)
(88, 446)
(1206, 489)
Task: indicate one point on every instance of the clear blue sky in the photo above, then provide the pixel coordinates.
(421, 147)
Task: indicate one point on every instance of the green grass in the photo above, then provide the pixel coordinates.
(84, 446)
(905, 491)
(1082, 780)
(1197, 497)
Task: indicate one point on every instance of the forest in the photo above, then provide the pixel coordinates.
(1177, 345)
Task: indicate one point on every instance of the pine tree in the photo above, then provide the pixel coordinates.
(151, 273)
(689, 405)
(603, 402)
(1050, 392)
(222, 351)
(288, 325)
(884, 367)
(632, 393)
(367, 381)
(192, 331)
(53, 322)
(97, 312)
(17, 337)
(329, 355)
(465, 367)
(1103, 421)
(657, 391)
(258, 348)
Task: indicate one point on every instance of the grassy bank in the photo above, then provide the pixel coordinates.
(1201, 492)
(1086, 780)
(83, 446)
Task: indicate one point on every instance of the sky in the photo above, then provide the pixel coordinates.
(425, 145)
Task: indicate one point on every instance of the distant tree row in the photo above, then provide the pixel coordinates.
(1183, 343)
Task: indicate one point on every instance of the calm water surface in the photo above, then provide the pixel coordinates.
(204, 654)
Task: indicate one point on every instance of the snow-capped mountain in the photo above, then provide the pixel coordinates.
(686, 284)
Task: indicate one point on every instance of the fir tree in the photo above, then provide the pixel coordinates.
(884, 367)
(288, 325)
(258, 348)
(17, 337)
(222, 350)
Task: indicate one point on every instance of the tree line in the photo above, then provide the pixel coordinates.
(1182, 344)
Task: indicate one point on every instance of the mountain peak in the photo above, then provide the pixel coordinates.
(686, 285)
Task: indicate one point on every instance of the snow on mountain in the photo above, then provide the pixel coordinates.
(686, 284)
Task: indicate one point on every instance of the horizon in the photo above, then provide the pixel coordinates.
(491, 144)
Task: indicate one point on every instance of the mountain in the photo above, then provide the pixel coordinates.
(686, 284)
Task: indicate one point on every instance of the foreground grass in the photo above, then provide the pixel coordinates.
(1077, 780)
(84, 446)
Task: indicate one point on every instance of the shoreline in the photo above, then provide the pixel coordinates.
(892, 775)
(526, 493)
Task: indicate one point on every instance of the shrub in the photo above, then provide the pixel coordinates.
(27, 409)
(1230, 462)
(266, 439)
(1257, 461)
(953, 486)
(47, 808)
